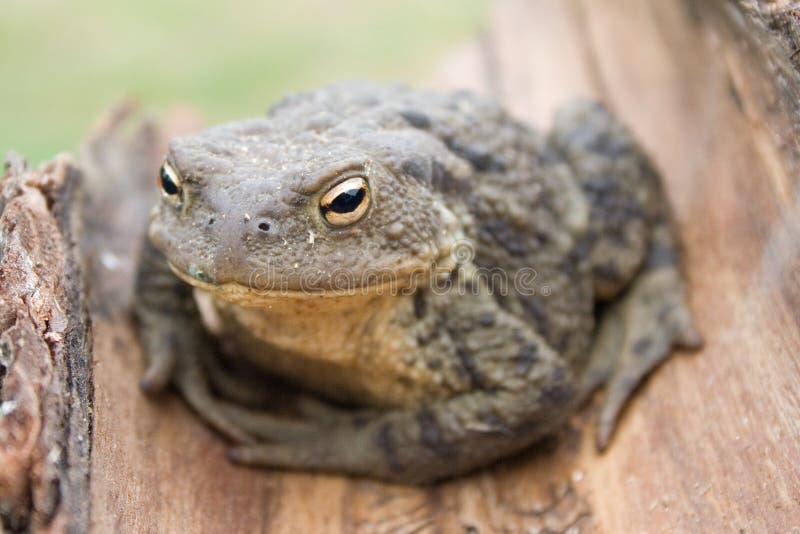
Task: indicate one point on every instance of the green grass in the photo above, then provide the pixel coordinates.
(62, 62)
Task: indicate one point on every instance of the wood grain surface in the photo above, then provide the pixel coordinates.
(711, 442)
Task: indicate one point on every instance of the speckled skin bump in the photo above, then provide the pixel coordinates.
(445, 281)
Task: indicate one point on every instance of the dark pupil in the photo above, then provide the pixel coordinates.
(347, 201)
(167, 184)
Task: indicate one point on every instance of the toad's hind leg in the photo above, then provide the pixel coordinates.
(632, 253)
(519, 390)
(639, 331)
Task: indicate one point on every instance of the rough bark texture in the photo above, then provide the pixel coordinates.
(45, 352)
(782, 19)
(711, 443)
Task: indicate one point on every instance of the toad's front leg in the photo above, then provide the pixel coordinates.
(175, 342)
(180, 352)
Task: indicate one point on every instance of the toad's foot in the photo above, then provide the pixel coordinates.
(189, 363)
(638, 332)
(405, 446)
(188, 376)
(316, 418)
(258, 393)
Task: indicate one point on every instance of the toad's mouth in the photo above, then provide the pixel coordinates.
(264, 289)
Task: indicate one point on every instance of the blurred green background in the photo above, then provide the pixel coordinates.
(64, 62)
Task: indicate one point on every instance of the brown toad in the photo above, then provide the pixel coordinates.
(449, 280)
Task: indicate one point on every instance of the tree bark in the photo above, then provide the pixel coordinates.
(45, 351)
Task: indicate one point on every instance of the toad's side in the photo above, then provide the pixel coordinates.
(422, 259)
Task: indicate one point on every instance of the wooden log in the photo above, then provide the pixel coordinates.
(712, 88)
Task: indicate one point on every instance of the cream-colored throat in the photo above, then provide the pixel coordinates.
(334, 329)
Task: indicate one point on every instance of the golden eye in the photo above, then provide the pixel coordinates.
(170, 183)
(346, 202)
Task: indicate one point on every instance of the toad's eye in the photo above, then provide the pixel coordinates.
(346, 202)
(170, 183)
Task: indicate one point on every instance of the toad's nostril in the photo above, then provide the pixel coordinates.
(264, 226)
